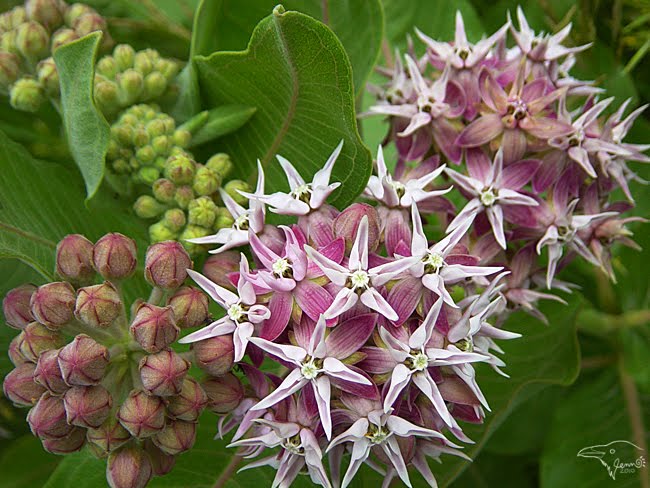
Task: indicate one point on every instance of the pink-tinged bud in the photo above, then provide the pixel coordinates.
(166, 264)
(72, 442)
(130, 467)
(154, 328)
(162, 373)
(189, 403)
(74, 259)
(98, 305)
(87, 406)
(161, 462)
(83, 361)
(224, 392)
(53, 304)
(190, 306)
(46, 12)
(36, 339)
(218, 266)
(16, 308)
(115, 256)
(141, 414)
(47, 418)
(347, 223)
(15, 356)
(109, 436)
(48, 373)
(20, 388)
(216, 355)
(177, 436)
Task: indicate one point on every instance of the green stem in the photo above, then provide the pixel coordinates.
(597, 323)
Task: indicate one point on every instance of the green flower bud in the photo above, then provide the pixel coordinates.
(184, 195)
(5, 21)
(145, 154)
(26, 95)
(147, 175)
(121, 166)
(9, 70)
(75, 11)
(170, 125)
(154, 85)
(156, 128)
(202, 211)
(107, 67)
(180, 169)
(224, 220)
(174, 219)
(143, 62)
(140, 137)
(123, 55)
(134, 163)
(206, 181)
(168, 68)
(62, 37)
(32, 40)
(123, 134)
(106, 96)
(193, 232)
(161, 145)
(147, 207)
(8, 42)
(232, 188)
(45, 12)
(221, 164)
(49, 77)
(160, 163)
(182, 138)
(159, 232)
(130, 85)
(89, 22)
(164, 190)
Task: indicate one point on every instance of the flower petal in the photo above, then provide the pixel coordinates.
(349, 336)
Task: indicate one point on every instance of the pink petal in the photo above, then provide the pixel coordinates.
(478, 164)
(514, 145)
(372, 299)
(286, 352)
(312, 299)
(336, 369)
(343, 301)
(446, 136)
(396, 230)
(349, 336)
(218, 293)
(404, 297)
(422, 334)
(481, 131)
(334, 271)
(322, 392)
(399, 380)
(544, 127)
(377, 360)
(293, 177)
(516, 175)
(424, 382)
(291, 384)
(495, 216)
(359, 251)
(280, 307)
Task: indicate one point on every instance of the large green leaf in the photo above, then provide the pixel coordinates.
(297, 74)
(545, 355)
(26, 464)
(87, 130)
(596, 413)
(41, 202)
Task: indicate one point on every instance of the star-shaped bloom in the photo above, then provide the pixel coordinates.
(433, 268)
(381, 429)
(246, 220)
(300, 448)
(357, 281)
(242, 312)
(315, 365)
(395, 193)
(413, 359)
(303, 197)
(492, 189)
(541, 47)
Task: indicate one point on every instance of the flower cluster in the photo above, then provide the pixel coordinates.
(128, 77)
(29, 34)
(147, 147)
(94, 374)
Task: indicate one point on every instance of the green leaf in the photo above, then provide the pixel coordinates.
(42, 202)
(545, 355)
(221, 121)
(595, 413)
(497, 470)
(221, 26)
(87, 130)
(297, 74)
(26, 464)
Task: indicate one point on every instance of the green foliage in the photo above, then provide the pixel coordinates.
(221, 121)
(86, 129)
(26, 464)
(296, 73)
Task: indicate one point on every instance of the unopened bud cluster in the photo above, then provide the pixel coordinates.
(94, 374)
(29, 34)
(127, 77)
(183, 195)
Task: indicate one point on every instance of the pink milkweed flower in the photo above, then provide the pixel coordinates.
(357, 281)
(541, 47)
(493, 188)
(395, 193)
(413, 359)
(514, 115)
(437, 266)
(435, 103)
(242, 312)
(246, 220)
(380, 430)
(316, 363)
(303, 197)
